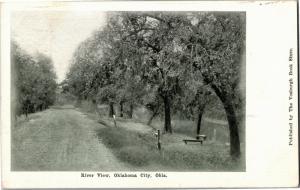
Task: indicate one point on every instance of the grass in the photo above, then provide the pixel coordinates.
(131, 143)
(134, 148)
(140, 150)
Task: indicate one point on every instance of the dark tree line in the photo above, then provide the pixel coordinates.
(33, 81)
(168, 62)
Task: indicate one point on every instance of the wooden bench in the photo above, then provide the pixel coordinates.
(199, 138)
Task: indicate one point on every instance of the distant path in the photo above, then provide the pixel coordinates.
(61, 139)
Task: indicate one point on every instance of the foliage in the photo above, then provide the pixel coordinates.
(215, 43)
(33, 80)
(172, 63)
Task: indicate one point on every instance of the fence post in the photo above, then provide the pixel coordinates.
(215, 135)
(115, 120)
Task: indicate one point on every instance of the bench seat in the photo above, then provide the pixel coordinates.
(199, 138)
(192, 140)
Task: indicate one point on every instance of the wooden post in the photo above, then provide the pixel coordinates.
(215, 135)
(115, 120)
(158, 140)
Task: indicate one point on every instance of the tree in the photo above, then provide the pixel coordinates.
(46, 85)
(149, 58)
(215, 42)
(195, 96)
(94, 72)
(34, 82)
(153, 35)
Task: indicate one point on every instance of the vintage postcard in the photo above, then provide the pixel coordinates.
(149, 94)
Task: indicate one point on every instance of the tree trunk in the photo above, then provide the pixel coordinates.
(96, 107)
(201, 111)
(111, 110)
(26, 112)
(168, 127)
(153, 115)
(233, 129)
(131, 111)
(121, 109)
(235, 150)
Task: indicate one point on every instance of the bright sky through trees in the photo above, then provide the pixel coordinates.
(55, 33)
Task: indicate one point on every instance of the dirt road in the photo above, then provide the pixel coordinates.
(60, 140)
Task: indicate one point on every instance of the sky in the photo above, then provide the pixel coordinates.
(54, 33)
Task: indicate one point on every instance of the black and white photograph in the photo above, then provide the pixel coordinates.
(135, 91)
(149, 94)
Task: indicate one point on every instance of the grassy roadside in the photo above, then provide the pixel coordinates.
(136, 145)
(140, 150)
